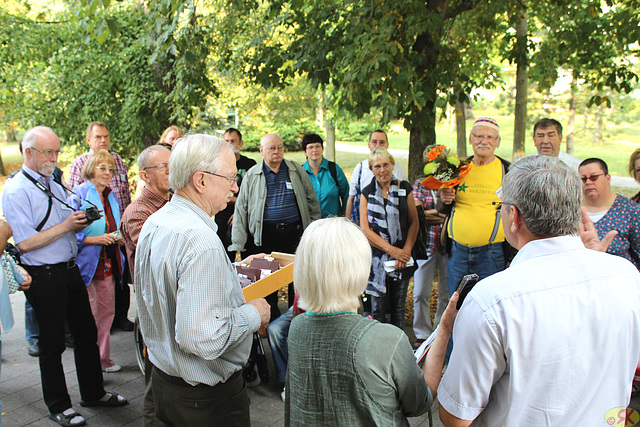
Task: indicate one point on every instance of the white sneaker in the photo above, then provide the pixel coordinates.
(282, 394)
(113, 368)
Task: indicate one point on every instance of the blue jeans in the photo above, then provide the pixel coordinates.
(31, 328)
(481, 260)
(278, 334)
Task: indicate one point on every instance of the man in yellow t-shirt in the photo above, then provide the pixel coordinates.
(474, 227)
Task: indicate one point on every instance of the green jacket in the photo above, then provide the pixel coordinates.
(249, 210)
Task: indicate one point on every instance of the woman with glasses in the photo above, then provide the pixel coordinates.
(389, 219)
(99, 257)
(329, 182)
(610, 211)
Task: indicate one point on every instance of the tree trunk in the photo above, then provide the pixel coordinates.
(2, 172)
(598, 126)
(330, 143)
(521, 87)
(461, 129)
(572, 116)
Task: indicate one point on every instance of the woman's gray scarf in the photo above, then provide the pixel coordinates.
(385, 222)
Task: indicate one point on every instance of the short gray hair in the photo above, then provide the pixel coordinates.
(144, 156)
(332, 266)
(547, 193)
(193, 153)
(31, 136)
(380, 153)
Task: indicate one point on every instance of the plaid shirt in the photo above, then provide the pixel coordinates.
(134, 218)
(428, 199)
(119, 183)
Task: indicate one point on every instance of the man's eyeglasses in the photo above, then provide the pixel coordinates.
(162, 167)
(489, 138)
(498, 205)
(47, 153)
(592, 178)
(231, 180)
(275, 148)
(104, 168)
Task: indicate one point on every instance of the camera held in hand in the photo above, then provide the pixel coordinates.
(92, 213)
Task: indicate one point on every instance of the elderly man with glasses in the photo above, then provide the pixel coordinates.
(275, 204)
(193, 315)
(478, 244)
(555, 338)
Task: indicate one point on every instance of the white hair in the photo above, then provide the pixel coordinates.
(31, 136)
(332, 266)
(144, 155)
(193, 153)
(547, 193)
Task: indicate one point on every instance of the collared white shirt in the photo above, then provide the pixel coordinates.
(552, 340)
(192, 311)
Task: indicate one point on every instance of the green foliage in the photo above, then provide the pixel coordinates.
(594, 40)
(350, 128)
(56, 75)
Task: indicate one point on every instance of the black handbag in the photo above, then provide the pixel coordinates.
(419, 250)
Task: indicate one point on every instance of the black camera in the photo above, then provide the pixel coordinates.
(92, 213)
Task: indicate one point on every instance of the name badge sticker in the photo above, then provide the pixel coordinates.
(289, 185)
(123, 177)
(499, 192)
(402, 192)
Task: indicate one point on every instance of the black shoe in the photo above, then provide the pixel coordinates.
(34, 350)
(125, 325)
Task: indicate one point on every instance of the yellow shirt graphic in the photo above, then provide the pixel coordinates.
(474, 214)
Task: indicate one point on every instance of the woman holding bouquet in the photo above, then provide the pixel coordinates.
(389, 219)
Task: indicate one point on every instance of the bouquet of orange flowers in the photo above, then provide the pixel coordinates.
(444, 170)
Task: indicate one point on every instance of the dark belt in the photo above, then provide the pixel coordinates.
(283, 227)
(179, 381)
(67, 265)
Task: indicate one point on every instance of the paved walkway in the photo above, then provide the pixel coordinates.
(21, 392)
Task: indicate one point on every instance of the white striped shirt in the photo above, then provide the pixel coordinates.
(192, 311)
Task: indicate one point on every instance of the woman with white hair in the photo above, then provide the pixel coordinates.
(345, 369)
(389, 219)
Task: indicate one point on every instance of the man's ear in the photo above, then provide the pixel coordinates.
(198, 180)
(516, 219)
(241, 144)
(144, 176)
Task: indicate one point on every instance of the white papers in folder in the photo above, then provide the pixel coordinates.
(390, 265)
(422, 351)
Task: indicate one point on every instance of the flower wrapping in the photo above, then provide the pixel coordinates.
(443, 169)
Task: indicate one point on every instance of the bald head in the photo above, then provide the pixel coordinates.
(272, 150)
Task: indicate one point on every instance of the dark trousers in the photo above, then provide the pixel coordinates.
(224, 232)
(123, 294)
(393, 301)
(180, 404)
(58, 294)
(278, 238)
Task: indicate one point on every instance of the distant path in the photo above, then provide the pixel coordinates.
(616, 181)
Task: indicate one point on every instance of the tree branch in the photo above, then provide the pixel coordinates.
(463, 6)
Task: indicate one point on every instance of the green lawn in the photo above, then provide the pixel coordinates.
(620, 140)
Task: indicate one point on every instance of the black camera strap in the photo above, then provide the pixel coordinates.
(51, 196)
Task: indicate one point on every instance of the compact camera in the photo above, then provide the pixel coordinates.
(92, 213)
